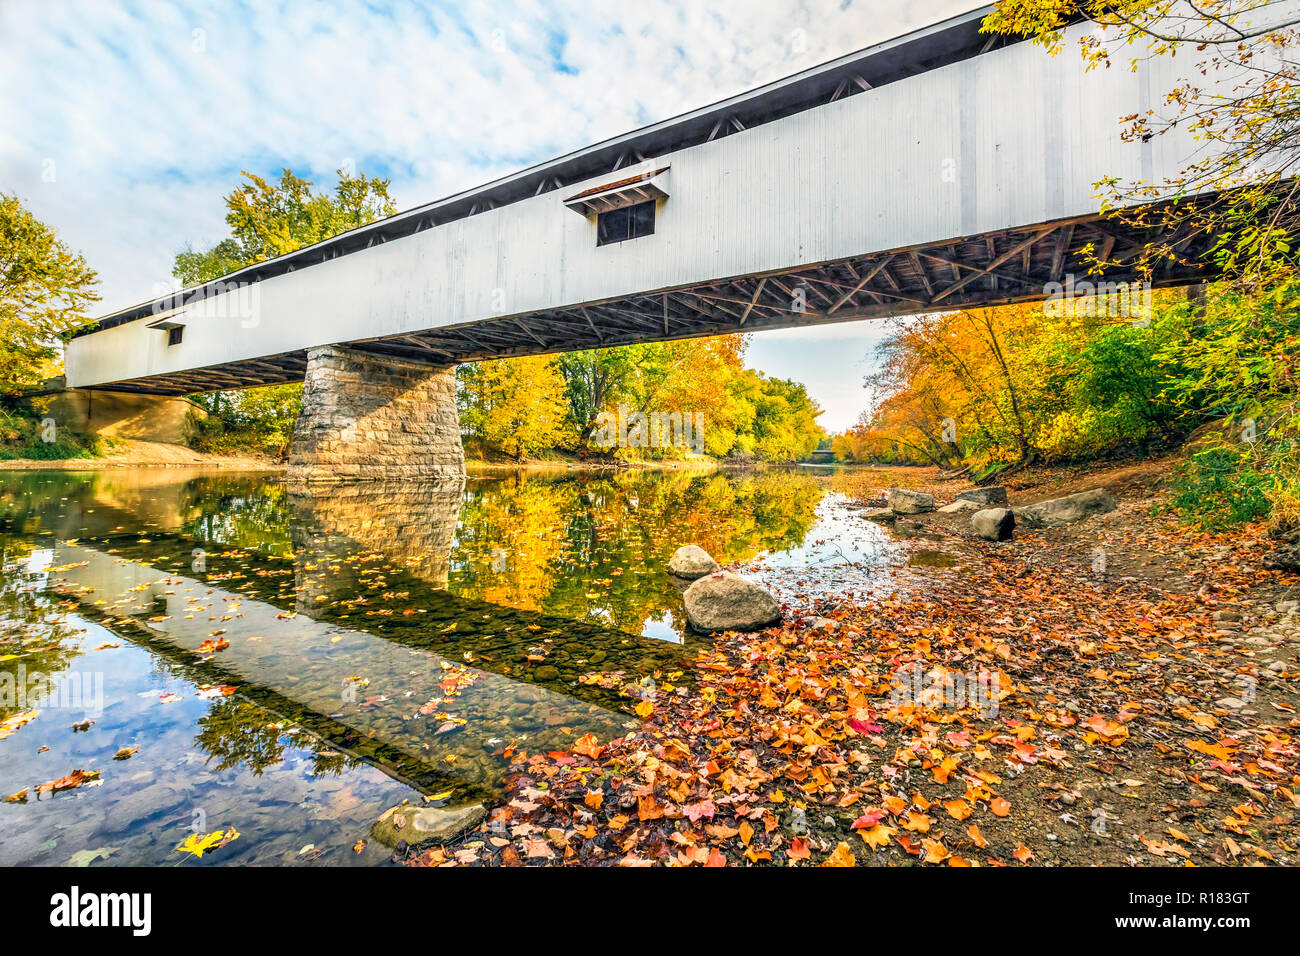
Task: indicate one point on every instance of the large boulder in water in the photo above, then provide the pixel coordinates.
(724, 601)
(1059, 511)
(691, 561)
(993, 524)
(904, 502)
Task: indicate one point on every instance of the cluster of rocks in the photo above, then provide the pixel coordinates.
(719, 600)
(991, 516)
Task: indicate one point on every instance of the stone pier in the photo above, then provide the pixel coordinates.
(368, 417)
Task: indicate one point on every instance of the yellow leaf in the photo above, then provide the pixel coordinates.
(842, 856)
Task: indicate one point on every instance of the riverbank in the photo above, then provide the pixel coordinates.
(1139, 710)
(131, 453)
(136, 453)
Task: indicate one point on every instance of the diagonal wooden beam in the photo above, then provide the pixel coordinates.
(531, 334)
(925, 279)
(1062, 247)
(1021, 247)
(596, 331)
(758, 290)
(875, 270)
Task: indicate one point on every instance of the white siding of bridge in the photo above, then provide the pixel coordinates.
(857, 176)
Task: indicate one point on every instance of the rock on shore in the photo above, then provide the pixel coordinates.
(994, 524)
(995, 496)
(724, 601)
(904, 502)
(1059, 511)
(424, 826)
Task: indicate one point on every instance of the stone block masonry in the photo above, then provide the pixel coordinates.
(367, 417)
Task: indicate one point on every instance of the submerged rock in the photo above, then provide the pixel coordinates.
(423, 826)
(994, 524)
(994, 496)
(724, 601)
(1059, 511)
(691, 561)
(904, 502)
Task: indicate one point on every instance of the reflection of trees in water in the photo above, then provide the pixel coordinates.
(33, 629)
(236, 731)
(596, 545)
(248, 512)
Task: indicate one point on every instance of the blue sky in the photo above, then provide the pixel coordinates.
(123, 124)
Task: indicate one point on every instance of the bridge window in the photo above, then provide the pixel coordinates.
(630, 222)
(175, 334)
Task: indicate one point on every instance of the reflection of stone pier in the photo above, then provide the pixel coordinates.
(413, 524)
(442, 719)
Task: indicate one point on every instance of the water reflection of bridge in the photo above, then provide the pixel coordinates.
(351, 635)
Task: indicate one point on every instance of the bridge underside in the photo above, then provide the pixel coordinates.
(1015, 265)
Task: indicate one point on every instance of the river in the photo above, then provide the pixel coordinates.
(291, 661)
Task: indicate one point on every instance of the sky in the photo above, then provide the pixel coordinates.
(122, 125)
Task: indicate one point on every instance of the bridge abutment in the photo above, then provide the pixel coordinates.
(368, 417)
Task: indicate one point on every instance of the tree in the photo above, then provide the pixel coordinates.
(516, 405)
(265, 221)
(269, 220)
(45, 289)
(784, 423)
(595, 380)
(1240, 99)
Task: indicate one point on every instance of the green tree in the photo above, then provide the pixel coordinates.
(268, 220)
(45, 289)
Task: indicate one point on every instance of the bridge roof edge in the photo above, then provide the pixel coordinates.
(909, 54)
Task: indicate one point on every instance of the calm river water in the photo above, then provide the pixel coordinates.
(291, 662)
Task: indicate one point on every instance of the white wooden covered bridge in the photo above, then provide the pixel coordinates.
(941, 169)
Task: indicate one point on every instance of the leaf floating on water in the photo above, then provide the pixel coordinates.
(71, 782)
(19, 797)
(199, 844)
(223, 690)
(10, 725)
(125, 753)
(358, 846)
(211, 647)
(87, 857)
(82, 725)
